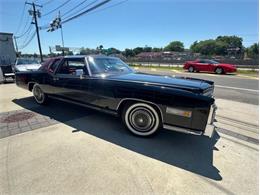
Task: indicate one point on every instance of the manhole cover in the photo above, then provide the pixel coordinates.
(18, 117)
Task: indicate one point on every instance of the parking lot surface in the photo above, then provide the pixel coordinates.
(66, 149)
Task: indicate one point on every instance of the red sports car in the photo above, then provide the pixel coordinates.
(209, 66)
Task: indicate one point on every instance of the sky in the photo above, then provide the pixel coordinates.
(135, 23)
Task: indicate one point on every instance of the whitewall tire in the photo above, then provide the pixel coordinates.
(39, 96)
(141, 119)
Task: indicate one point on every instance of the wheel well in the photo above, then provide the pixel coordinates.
(30, 86)
(129, 102)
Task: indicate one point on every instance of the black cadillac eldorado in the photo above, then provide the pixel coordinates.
(145, 102)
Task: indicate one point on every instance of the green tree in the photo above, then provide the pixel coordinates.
(147, 49)
(195, 47)
(218, 46)
(175, 46)
(156, 49)
(112, 50)
(138, 50)
(231, 41)
(128, 53)
(253, 51)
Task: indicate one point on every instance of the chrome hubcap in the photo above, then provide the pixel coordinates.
(38, 94)
(218, 71)
(141, 119)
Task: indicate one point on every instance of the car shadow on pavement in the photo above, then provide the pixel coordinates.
(188, 152)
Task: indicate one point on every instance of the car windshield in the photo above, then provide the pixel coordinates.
(26, 61)
(108, 66)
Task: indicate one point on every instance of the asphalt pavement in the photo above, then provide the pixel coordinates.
(231, 87)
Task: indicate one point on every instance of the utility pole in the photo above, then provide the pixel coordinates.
(36, 13)
(61, 31)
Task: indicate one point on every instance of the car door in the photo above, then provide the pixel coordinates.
(67, 81)
(202, 65)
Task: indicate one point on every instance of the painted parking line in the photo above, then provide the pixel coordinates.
(246, 76)
(237, 88)
(153, 69)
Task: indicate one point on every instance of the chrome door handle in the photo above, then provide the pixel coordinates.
(56, 78)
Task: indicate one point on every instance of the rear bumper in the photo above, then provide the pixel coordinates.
(209, 130)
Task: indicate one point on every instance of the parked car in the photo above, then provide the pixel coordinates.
(26, 64)
(145, 102)
(209, 66)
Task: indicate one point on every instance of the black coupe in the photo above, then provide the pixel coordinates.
(145, 102)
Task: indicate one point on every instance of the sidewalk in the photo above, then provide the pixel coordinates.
(237, 117)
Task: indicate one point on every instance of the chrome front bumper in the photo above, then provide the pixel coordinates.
(210, 127)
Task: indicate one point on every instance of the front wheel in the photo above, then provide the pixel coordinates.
(191, 69)
(219, 70)
(141, 119)
(39, 96)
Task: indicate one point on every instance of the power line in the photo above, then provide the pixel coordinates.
(21, 18)
(82, 2)
(29, 41)
(93, 2)
(26, 23)
(108, 7)
(27, 37)
(46, 3)
(86, 11)
(56, 8)
(46, 26)
(25, 32)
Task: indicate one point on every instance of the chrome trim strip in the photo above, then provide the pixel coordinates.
(182, 130)
(140, 100)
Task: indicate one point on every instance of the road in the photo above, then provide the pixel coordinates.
(230, 87)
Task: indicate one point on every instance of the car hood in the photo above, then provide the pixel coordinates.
(185, 83)
(27, 67)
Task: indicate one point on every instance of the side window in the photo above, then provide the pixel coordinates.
(69, 66)
(202, 61)
(54, 65)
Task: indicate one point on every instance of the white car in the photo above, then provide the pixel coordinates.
(26, 64)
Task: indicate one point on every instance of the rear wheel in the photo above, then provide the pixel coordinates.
(219, 70)
(191, 69)
(39, 96)
(141, 119)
